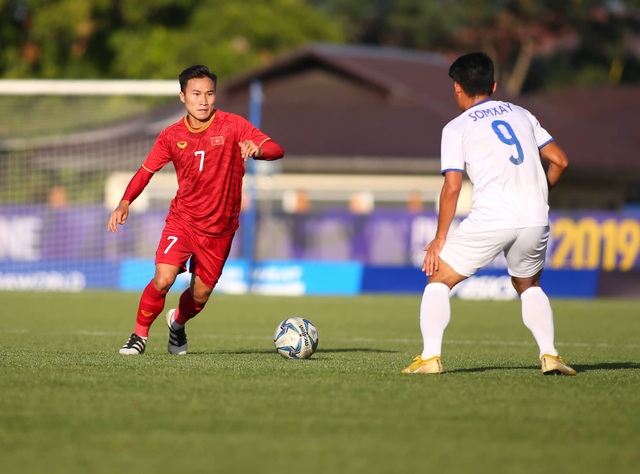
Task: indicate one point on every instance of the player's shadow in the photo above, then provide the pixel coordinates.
(356, 349)
(607, 366)
(220, 352)
(578, 367)
(485, 369)
(271, 351)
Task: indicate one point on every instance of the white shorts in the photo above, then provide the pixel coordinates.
(469, 249)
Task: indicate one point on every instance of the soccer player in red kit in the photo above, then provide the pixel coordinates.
(208, 148)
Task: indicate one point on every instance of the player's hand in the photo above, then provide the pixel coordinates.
(432, 257)
(118, 217)
(249, 149)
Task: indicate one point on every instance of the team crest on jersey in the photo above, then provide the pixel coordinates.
(217, 140)
(182, 145)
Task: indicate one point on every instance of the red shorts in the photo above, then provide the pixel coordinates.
(208, 253)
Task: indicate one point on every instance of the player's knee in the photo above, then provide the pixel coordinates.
(200, 301)
(200, 291)
(523, 284)
(163, 282)
(201, 295)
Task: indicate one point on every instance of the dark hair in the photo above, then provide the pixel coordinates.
(474, 73)
(193, 72)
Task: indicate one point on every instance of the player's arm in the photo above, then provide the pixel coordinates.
(447, 211)
(267, 150)
(135, 187)
(557, 160)
(254, 143)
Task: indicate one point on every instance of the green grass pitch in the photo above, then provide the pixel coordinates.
(70, 403)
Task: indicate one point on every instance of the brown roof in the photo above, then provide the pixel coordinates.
(370, 109)
(598, 128)
(352, 108)
(361, 108)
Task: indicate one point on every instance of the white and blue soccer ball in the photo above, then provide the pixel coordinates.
(296, 338)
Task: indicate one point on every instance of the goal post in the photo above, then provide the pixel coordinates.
(35, 87)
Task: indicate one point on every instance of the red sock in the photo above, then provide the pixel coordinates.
(151, 305)
(187, 309)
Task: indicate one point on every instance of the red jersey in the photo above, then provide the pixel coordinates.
(209, 169)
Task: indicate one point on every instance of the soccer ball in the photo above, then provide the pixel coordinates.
(296, 338)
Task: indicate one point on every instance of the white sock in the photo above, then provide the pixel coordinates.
(537, 315)
(435, 313)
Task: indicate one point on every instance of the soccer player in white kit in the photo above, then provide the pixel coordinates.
(501, 147)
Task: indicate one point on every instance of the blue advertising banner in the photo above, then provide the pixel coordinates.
(58, 275)
(393, 280)
(293, 278)
(326, 252)
(496, 285)
(492, 284)
(135, 274)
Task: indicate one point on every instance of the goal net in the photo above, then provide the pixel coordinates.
(69, 148)
(60, 142)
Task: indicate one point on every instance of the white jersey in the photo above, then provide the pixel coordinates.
(498, 143)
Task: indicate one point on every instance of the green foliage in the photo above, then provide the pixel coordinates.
(402, 23)
(233, 405)
(229, 37)
(155, 39)
(158, 38)
(518, 34)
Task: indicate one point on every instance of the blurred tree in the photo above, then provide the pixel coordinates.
(56, 39)
(569, 42)
(593, 39)
(515, 32)
(609, 48)
(151, 39)
(14, 45)
(228, 36)
(398, 23)
(535, 43)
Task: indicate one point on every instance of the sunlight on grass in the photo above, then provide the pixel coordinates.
(69, 399)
